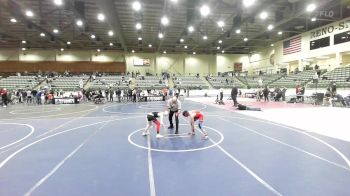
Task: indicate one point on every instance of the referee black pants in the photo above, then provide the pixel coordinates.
(171, 114)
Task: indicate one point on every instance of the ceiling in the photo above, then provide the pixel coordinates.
(288, 16)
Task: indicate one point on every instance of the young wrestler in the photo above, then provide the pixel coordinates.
(195, 115)
(153, 117)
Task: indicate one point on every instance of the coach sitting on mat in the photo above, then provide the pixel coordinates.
(174, 106)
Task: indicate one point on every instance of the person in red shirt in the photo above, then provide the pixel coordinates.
(195, 115)
(3, 93)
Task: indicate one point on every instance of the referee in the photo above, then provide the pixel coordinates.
(174, 106)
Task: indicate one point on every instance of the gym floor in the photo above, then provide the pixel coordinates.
(99, 150)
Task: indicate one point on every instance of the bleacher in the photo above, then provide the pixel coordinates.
(19, 82)
(67, 83)
(190, 82)
(146, 82)
(106, 82)
(338, 75)
(253, 81)
(224, 82)
(291, 80)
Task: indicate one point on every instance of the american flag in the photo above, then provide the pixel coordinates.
(292, 46)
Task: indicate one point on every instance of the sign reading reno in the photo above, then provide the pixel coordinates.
(331, 29)
(141, 62)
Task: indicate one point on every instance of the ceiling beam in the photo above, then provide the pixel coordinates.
(244, 20)
(109, 9)
(15, 9)
(282, 22)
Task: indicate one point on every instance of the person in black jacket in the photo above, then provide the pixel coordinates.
(234, 93)
(266, 92)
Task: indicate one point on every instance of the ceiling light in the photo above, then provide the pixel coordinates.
(221, 23)
(164, 20)
(133, 51)
(185, 46)
(68, 43)
(42, 34)
(245, 39)
(13, 20)
(313, 19)
(136, 6)
(272, 45)
(93, 36)
(248, 3)
(263, 15)
(139, 38)
(100, 17)
(190, 28)
(24, 42)
(111, 44)
(110, 33)
(29, 13)
(150, 45)
(220, 41)
(62, 49)
(23, 49)
(223, 51)
(55, 31)
(311, 7)
(58, 2)
(205, 11)
(79, 23)
(138, 26)
(238, 31)
(280, 33)
(160, 35)
(174, 1)
(98, 50)
(218, 48)
(205, 37)
(164, 52)
(194, 53)
(270, 27)
(182, 40)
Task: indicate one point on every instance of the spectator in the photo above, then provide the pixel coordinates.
(234, 93)
(134, 95)
(4, 94)
(118, 92)
(334, 89)
(266, 92)
(327, 97)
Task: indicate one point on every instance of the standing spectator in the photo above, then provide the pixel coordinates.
(334, 89)
(302, 93)
(38, 97)
(266, 92)
(284, 90)
(4, 93)
(234, 93)
(111, 93)
(29, 97)
(118, 92)
(134, 95)
(107, 93)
